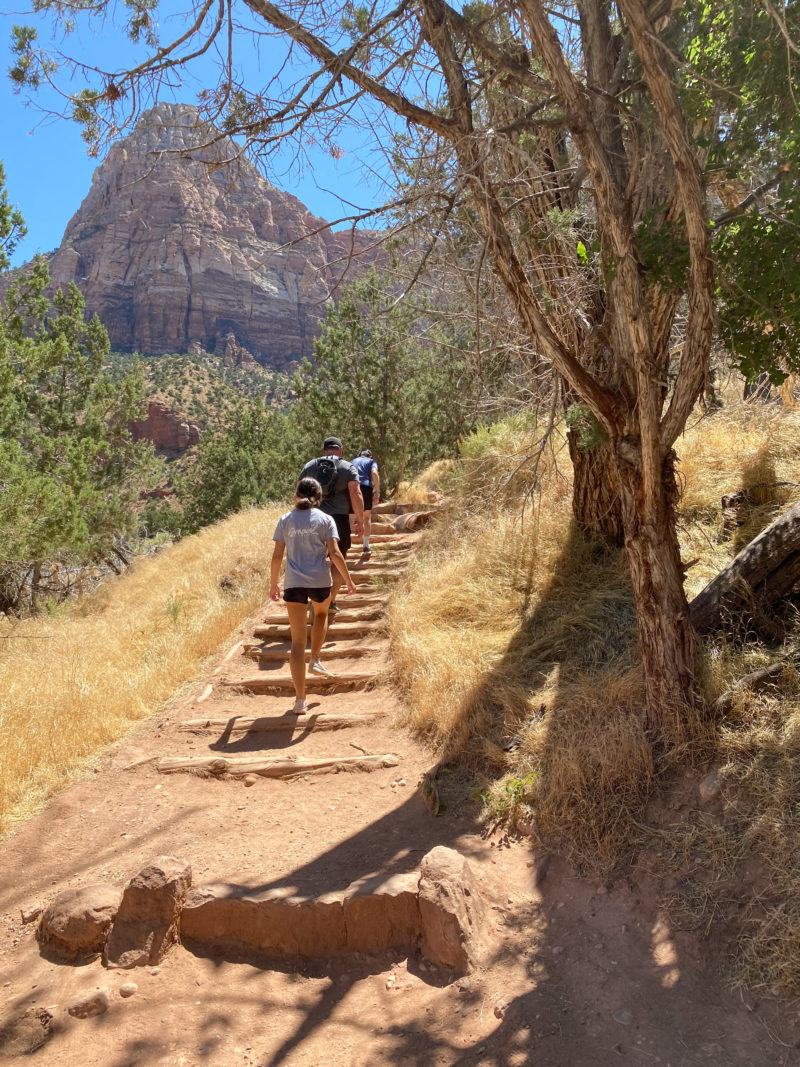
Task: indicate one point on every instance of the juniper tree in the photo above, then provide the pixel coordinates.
(385, 377)
(611, 112)
(70, 474)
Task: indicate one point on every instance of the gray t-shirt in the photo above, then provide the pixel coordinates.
(305, 534)
(338, 502)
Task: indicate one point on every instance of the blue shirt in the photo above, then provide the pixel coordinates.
(305, 534)
(364, 466)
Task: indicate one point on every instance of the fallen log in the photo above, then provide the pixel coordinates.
(282, 767)
(763, 573)
(414, 520)
(754, 681)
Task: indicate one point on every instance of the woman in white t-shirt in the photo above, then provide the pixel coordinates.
(308, 537)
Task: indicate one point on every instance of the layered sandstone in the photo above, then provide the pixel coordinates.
(170, 433)
(180, 243)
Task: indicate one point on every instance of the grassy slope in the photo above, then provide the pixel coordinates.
(139, 637)
(515, 643)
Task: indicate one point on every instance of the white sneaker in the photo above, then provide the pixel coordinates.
(318, 667)
(300, 706)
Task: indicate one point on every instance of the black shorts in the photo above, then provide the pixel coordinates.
(300, 595)
(366, 492)
(343, 529)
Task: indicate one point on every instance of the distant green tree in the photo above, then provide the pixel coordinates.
(382, 378)
(70, 473)
(12, 224)
(253, 458)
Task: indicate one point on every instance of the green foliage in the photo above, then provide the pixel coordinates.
(12, 224)
(503, 801)
(744, 80)
(759, 290)
(70, 474)
(383, 378)
(587, 427)
(253, 458)
(664, 250)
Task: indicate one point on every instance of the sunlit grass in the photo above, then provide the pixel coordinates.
(514, 642)
(71, 684)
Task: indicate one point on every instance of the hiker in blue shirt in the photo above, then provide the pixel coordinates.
(369, 482)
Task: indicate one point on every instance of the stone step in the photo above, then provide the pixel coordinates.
(272, 767)
(270, 682)
(249, 724)
(342, 631)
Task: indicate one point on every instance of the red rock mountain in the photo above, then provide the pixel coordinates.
(181, 242)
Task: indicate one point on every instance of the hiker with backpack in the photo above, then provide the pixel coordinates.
(306, 535)
(341, 494)
(369, 481)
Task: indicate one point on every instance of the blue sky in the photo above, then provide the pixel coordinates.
(48, 172)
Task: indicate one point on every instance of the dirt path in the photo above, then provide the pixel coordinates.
(577, 975)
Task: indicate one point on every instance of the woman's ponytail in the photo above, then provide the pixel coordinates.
(310, 491)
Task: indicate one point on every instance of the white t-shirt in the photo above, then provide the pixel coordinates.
(305, 534)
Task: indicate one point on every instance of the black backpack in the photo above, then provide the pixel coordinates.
(326, 470)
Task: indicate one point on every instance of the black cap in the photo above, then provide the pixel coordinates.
(331, 442)
(365, 452)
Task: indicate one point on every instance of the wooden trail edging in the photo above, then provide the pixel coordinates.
(268, 682)
(342, 616)
(272, 767)
(238, 724)
(342, 632)
(263, 655)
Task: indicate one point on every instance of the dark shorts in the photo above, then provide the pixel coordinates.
(300, 595)
(366, 492)
(343, 529)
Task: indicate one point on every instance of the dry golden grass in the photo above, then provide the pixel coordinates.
(70, 685)
(750, 446)
(514, 640)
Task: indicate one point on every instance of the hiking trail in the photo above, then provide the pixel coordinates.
(305, 836)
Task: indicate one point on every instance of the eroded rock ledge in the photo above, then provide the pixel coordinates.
(437, 910)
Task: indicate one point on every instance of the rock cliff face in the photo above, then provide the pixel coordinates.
(170, 433)
(175, 250)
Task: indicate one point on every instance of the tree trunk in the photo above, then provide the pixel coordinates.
(666, 637)
(596, 504)
(765, 571)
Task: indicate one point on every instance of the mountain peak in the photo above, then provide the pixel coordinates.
(180, 242)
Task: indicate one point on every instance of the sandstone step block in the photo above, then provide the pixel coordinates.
(146, 925)
(77, 922)
(437, 910)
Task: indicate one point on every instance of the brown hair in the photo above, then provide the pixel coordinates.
(311, 492)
